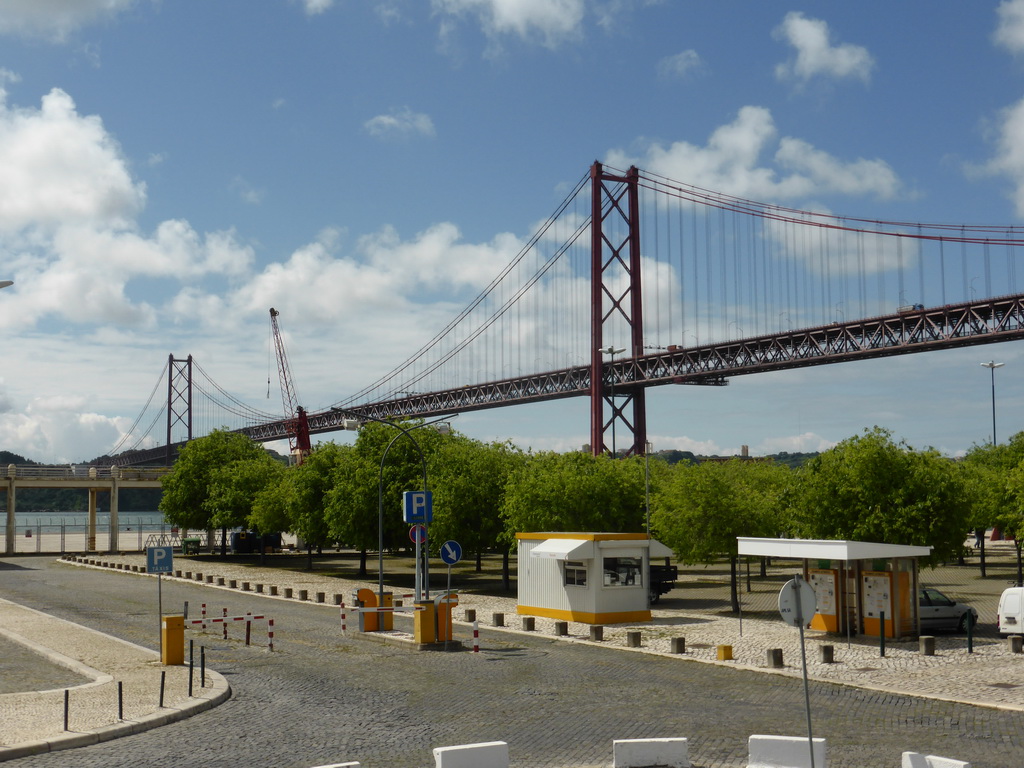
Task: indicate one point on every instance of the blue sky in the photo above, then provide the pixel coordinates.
(174, 169)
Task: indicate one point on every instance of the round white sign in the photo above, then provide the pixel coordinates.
(797, 602)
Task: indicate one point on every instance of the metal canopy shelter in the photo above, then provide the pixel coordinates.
(861, 585)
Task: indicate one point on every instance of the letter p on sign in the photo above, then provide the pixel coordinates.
(418, 507)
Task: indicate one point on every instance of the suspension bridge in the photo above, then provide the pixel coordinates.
(637, 281)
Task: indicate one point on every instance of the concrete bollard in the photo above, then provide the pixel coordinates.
(633, 639)
(209, 579)
(199, 577)
(498, 619)
(529, 623)
(303, 594)
(774, 658)
(642, 753)
(273, 590)
(220, 581)
(926, 645)
(1015, 643)
(338, 598)
(828, 654)
(678, 645)
(725, 653)
(561, 628)
(597, 633)
(321, 597)
(245, 586)
(259, 588)
(188, 574)
(470, 615)
(177, 574)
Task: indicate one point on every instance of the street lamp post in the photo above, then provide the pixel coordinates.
(613, 351)
(354, 424)
(647, 513)
(992, 370)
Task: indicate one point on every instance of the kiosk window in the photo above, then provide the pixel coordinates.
(575, 573)
(623, 571)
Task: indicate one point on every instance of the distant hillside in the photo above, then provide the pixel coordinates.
(791, 460)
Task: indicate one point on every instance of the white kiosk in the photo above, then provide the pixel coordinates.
(591, 578)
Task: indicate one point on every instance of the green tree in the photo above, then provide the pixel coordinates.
(352, 504)
(234, 488)
(310, 485)
(469, 480)
(870, 488)
(574, 492)
(699, 510)
(187, 487)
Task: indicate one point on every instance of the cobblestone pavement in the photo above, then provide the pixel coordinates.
(324, 697)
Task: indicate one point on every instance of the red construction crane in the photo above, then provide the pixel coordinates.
(298, 424)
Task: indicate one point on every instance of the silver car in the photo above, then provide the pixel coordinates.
(941, 612)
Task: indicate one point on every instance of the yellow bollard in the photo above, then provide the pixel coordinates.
(725, 653)
(172, 638)
(424, 622)
(387, 620)
(445, 603)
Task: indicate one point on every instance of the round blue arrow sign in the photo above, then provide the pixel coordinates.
(451, 552)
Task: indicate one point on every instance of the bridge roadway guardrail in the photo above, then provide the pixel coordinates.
(83, 472)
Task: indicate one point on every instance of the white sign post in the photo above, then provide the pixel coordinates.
(797, 605)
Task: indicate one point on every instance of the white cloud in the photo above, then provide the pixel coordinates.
(249, 194)
(400, 122)
(680, 65)
(816, 56)
(316, 7)
(1009, 156)
(550, 21)
(60, 168)
(732, 162)
(54, 19)
(1009, 31)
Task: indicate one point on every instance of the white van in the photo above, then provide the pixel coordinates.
(1010, 617)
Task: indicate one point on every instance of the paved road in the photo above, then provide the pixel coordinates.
(323, 698)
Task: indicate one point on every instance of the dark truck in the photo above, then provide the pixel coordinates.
(663, 580)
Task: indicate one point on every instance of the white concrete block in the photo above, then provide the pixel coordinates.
(642, 753)
(917, 760)
(784, 752)
(488, 754)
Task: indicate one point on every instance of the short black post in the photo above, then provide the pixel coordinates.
(120, 700)
(202, 666)
(191, 664)
(248, 631)
(67, 697)
(881, 632)
(163, 677)
(970, 632)
(185, 612)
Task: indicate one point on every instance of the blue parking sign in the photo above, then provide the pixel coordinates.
(159, 559)
(418, 507)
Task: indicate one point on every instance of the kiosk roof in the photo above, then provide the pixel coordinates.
(827, 549)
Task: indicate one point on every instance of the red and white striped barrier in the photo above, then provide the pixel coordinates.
(247, 617)
(476, 637)
(225, 620)
(342, 605)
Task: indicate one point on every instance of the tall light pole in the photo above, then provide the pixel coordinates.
(355, 424)
(992, 370)
(613, 351)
